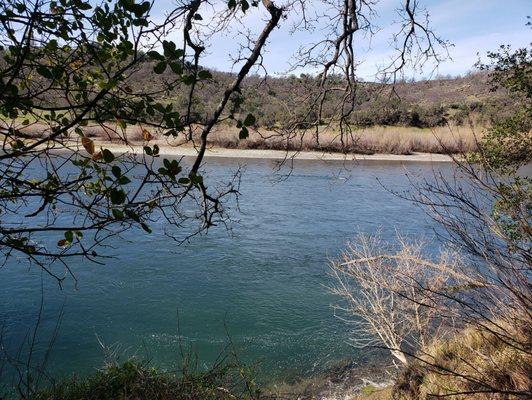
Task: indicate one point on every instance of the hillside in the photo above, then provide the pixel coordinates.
(433, 116)
(276, 100)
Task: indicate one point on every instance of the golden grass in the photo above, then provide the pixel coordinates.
(376, 139)
(479, 360)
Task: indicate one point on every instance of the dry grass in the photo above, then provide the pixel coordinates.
(377, 139)
(471, 363)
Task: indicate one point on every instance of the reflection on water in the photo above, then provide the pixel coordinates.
(264, 285)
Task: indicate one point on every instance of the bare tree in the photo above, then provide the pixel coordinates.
(485, 293)
(70, 67)
(394, 298)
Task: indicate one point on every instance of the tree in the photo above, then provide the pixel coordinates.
(484, 209)
(389, 294)
(68, 66)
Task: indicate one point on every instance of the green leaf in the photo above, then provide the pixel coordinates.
(188, 79)
(124, 180)
(45, 72)
(250, 120)
(83, 6)
(183, 181)
(69, 236)
(244, 133)
(133, 215)
(118, 214)
(204, 74)
(146, 227)
(117, 172)
(148, 150)
(176, 67)
(196, 179)
(160, 67)
(155, 56)
(117, 196)
(107, 156)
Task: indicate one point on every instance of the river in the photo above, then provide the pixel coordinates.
(264, 285)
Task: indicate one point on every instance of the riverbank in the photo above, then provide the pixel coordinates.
(349, 380)
(384, 143)
(135, 379)
(219, 152)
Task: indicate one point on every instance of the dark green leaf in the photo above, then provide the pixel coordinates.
(204, 74)
(118, 214)
(250, 120)
(117, 172)
(124, 180)
(160, 67)
(145, 227)
(155, 55)
(196, 179)
(45, 72)
(107, 156)
(69, 236)
(244, 133)
(176, 67)
(133, 215)
(117, 196)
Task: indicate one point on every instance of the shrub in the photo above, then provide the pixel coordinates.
(134, 380)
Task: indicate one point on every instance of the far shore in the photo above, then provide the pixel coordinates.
(220, 152)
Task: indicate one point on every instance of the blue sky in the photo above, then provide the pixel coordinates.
(472, 26)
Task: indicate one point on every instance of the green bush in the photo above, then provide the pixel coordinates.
(134, 380)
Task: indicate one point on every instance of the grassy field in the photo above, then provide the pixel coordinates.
(373, 140)
(377, 139)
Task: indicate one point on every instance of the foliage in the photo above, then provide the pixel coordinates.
(67, 66)
(64, 66)
(507, 146)
(135, 380)
(483, 209)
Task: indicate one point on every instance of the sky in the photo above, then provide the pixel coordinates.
(473, 27)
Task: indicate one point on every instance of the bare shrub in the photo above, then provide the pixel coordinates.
(393, 297)
(458, 329)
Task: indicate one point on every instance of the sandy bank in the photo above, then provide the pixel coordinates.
(279, 154)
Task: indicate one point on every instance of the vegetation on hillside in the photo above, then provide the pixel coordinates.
(276, 101)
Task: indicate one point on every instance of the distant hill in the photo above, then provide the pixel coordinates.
(275, 100)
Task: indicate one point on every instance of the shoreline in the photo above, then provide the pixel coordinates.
(221, 152)
(348, 380)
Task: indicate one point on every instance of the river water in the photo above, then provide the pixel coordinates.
(264, 285)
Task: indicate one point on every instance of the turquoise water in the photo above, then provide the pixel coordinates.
(264, 285)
